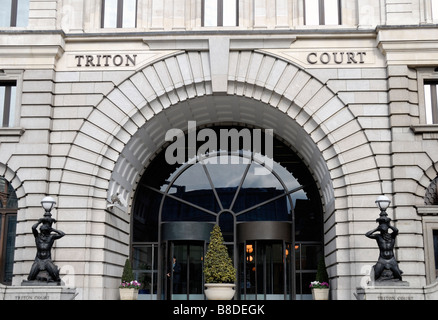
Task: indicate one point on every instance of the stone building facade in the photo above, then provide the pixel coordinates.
(95, 85)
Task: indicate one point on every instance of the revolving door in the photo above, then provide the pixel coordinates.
(183, 247)
(266, 261)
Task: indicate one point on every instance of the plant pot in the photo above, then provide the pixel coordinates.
(219, 291)
(128, 293)
(320, 293)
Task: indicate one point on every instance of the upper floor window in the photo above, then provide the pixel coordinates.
(435, 10)
(431, 101)
(119, 13)
(220, 13)
(7, 103)
(8, 222)
(14, 13)
(322, 12)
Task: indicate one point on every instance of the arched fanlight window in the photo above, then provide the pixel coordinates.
(229, 187)
(431, 195)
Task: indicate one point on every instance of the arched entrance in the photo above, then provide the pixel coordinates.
(269, 210)
(130, 123)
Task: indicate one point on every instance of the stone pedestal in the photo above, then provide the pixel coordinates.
(389, 290)
(41, 292)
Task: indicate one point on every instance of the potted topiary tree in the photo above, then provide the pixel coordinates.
(129, 286)
(320, 287)
(219, 271)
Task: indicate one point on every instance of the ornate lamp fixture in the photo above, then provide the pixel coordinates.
(48, 204)
(386, 268)
(43, 269)
(383, 203)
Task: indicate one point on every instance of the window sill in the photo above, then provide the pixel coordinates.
(427, 210)
(429, 131)
(10, 134)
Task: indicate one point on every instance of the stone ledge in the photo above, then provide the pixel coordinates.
(429, 131)
(422, 128)
(10, 134)
(427, 210)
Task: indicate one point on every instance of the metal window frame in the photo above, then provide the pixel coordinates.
(433, 99)
(6, 103)
(119, 14)
(14, 12)
(435, 249)
(430, 224)
(220, 13)
(321, 12)
(4, 222)
(4, 216)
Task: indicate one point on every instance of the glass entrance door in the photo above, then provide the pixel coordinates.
(265, 270)
(184, 277)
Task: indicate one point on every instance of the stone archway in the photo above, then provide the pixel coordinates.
(16, 183)
(325, 125)
(128, 126)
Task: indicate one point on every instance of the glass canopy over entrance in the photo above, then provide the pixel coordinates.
(270, 217)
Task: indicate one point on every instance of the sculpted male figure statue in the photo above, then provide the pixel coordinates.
(385, 241)
(44, 241)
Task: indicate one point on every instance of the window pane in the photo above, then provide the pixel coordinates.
(431, 102)
(8, 197)
(12, 201)
(312, 12)
(12, 107)
(5, 13)
(3, 193)
(145, 265)
(174, 210)
(309, 256)
(110, 14)
(10, 247)
(230, 13)
(2, 104)
(146, 216)
(129, 13)
(23, 13)
(303, 283)
(331, 14)
(435, 9)
(435, 248)
(210, 13)
(7, 104)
